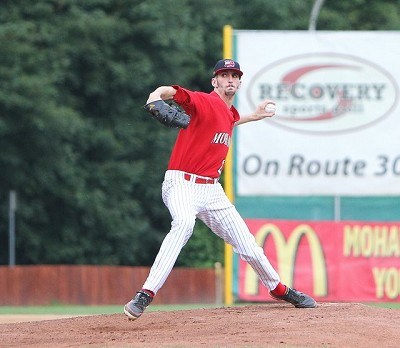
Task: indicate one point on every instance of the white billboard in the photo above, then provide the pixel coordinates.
(337, 126)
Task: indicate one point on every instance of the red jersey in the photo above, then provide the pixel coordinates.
(202, 147)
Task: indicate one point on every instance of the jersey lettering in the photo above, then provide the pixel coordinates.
(221, 138)
(222, 167)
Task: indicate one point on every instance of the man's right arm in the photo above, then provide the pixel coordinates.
(162, 92)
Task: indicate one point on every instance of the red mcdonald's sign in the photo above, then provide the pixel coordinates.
(324, 258)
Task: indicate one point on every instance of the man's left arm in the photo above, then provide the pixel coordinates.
(259, 114)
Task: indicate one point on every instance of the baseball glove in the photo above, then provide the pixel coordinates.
(170, 116)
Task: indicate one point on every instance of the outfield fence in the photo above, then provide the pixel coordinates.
(100, 285)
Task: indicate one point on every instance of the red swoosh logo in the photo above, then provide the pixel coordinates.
(342, 105)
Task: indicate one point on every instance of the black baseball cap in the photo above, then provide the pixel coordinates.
(227, 64)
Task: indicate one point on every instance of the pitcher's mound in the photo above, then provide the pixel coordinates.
(267, 325)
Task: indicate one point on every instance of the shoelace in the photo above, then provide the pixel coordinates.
(296, 295)
(143, 299)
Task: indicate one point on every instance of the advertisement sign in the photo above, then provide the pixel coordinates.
(337, 122)
(347, 261)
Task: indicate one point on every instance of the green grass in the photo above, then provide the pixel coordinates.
(90, 310)
(393, 305)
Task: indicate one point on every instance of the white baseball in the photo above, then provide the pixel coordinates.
(270, 108)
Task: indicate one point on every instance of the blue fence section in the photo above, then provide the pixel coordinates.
(377, 208)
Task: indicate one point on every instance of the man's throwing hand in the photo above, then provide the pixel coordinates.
(265, 109)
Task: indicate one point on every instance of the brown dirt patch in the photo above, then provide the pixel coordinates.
(267, 325)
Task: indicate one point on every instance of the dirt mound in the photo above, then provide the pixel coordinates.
(267, 325)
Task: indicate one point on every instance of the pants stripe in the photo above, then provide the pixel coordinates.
(187, 201)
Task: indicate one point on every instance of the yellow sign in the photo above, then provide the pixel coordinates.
(286, 257)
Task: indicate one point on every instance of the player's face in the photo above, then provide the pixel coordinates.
(227, 82)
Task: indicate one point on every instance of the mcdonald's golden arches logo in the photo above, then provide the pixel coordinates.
(286, 251)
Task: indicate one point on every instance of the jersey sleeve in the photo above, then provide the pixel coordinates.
(183, 97)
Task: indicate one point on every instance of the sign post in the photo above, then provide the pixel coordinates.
(11, 226)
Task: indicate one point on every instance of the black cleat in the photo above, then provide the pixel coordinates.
(296, 298)
(135, 308)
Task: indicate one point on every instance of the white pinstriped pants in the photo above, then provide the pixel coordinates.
(187, 200)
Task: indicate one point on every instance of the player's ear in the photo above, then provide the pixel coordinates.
(240, 83)
(214, 82)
